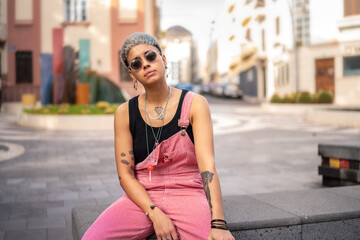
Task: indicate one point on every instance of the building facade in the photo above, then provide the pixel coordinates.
(296, 45)
(38, 30)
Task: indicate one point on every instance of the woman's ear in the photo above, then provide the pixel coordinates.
(131, 75)
(164, 59)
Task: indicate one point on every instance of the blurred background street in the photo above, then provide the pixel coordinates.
(281, 76)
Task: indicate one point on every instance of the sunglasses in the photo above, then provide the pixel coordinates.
(136, 63)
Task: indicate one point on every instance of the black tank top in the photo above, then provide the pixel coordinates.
(137, 129)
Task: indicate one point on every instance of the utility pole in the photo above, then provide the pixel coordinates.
(295, 46)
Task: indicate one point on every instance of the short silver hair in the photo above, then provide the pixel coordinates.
(136, 39)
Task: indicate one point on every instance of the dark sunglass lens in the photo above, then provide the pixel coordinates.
(135, 64)
(150, 56)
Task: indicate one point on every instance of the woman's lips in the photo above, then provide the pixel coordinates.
(149, 73)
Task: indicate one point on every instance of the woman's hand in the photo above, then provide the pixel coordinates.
(219, 234)
(163, 226)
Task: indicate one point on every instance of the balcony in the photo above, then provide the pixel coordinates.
(260, 4)
(349, 22)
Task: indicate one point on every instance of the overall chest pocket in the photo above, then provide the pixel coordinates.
(173, 156)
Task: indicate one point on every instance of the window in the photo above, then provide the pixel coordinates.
(352, 66)
(124, 74)
(277, 25)
(128, 10)
(281, 74)
(260, 3)
(75, 10)
(24, 73)
(248, 34)
(23, 11)
(351, 7)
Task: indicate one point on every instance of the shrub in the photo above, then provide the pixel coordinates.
(314, 98)
(102, 104)
(289, 98)
(73, 109)
(303, 97)
(275, 99)
(324, 97)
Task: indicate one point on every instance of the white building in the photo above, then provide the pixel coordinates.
(285, 46)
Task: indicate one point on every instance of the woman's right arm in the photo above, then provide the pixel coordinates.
(125, 163)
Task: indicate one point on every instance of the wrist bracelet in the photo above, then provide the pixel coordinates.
(152, 207)
(220, 227)
(218, 220)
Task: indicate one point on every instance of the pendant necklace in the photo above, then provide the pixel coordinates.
(156, 142)
(161, 113)
(157, 136)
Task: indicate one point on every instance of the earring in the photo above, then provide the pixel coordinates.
(135, 85)
(167, 71)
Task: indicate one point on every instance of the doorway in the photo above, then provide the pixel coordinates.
(325, 75)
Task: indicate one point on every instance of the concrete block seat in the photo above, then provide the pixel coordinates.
(328, 213)
(340, 163)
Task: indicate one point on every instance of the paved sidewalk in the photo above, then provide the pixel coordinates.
(43, 174)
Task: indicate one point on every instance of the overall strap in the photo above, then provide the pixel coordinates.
(183, 122)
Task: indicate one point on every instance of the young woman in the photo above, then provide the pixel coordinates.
(165, 158)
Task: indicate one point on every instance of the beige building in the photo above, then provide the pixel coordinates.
(288, 46)
(33, 31)
(177, 43)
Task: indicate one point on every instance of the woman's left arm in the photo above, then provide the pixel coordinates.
(200, 119)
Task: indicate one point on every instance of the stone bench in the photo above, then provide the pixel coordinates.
(328, 213)
(340, 163)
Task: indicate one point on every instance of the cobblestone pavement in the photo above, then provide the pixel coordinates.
(43, 174)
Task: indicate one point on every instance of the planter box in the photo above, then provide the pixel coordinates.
(66, 122)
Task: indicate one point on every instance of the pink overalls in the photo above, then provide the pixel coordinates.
(175, 187)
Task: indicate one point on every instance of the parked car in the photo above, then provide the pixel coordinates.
(185, 86)
(205, 89)
(232, 90)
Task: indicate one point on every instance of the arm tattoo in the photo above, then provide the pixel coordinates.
(123, 154)
(207, 178)
(124, 162)
(119, 178)
(131, 152)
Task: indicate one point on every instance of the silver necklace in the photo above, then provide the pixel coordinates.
(157, 136)
(161, 113)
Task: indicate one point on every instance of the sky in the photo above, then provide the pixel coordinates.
(194, 15)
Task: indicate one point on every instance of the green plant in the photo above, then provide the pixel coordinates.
(324, 97)
(289, 98)
(314, 98)
(103, 108)
(303, 97)
(275, 99)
